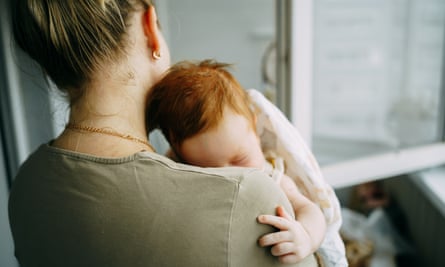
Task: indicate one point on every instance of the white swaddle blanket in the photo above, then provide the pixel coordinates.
(278, 135)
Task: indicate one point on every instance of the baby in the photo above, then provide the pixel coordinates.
(209, 121)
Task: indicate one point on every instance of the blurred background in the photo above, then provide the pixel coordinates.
(361, 79)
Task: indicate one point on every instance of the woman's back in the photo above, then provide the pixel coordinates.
(70, 209)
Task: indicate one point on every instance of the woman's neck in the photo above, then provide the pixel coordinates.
(109, 121)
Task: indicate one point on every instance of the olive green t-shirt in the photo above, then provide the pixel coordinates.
(71, 209)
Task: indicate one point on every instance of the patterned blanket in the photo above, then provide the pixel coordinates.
(278, 135)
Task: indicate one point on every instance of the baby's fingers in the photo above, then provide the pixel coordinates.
(282, 249)
(275, 238)
(289, 258)
(283, 213)
(288, 252)
(275, 221)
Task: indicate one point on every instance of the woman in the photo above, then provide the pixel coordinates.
(98, 195)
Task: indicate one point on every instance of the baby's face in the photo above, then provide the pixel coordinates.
(232, 143)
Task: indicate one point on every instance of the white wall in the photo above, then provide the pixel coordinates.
(231, 31)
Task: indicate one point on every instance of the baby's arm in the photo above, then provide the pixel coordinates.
(297, 237)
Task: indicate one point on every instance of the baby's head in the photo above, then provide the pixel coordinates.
(205, 115)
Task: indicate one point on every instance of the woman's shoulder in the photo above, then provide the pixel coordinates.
(46, 159)
(143, 172)
(236, 175)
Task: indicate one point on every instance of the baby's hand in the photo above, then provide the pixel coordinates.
(292, 243)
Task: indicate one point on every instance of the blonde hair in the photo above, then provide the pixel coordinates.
(191, 98)
(72, 38)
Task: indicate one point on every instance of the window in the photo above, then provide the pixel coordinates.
(376, 97)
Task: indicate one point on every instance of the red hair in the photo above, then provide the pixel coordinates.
(191, 98)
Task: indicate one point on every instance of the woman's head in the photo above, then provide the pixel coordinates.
(72, 39)
(193, 98)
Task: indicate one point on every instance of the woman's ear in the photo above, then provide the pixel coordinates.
(151, 31)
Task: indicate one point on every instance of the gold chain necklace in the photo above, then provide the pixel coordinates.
(91, 129)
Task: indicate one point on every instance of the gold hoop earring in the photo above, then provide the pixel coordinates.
(156, 55)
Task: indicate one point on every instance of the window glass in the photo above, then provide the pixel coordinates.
(377, 76)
